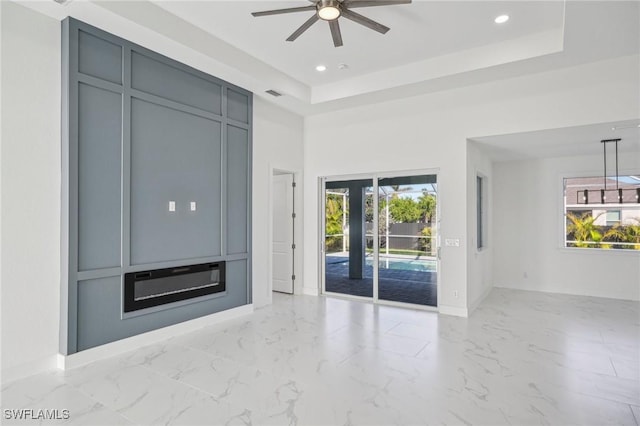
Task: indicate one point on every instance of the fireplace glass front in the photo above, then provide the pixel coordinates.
(145, 289)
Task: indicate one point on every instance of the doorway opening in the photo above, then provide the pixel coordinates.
(283, 232)
(380, 238)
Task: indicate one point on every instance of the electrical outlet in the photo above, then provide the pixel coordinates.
(455, 294)
(192, 206)
(172, 206)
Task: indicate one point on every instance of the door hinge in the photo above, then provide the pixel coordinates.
(293, 277)
(293, 184)
(293, 246)
(293, 215)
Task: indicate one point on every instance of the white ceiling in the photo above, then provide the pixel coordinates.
(568, 141)
(419, 31)
(432, 45)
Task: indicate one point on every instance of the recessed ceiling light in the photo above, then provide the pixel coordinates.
(321, 68)
(501, 19)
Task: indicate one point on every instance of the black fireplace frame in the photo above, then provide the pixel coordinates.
(131, 278)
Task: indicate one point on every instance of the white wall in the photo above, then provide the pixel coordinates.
(479, 262)
(431, 131)
(528, 233)
(367, 141)
(31, 174)
(30, 190)
(277, 144)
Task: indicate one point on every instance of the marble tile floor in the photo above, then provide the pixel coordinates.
(523, 358)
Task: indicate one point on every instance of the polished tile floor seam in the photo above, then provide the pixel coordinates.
(522, 358)
(98, 403)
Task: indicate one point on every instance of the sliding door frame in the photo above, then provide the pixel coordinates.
(376, 235)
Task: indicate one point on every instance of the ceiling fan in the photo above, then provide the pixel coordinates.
(330, 11)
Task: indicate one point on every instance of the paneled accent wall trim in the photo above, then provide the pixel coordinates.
(156, 174)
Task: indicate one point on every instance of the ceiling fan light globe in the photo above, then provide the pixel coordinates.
(329, 13)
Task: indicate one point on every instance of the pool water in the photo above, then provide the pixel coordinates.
(422, 265)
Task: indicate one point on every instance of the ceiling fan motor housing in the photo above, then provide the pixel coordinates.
(328, 10)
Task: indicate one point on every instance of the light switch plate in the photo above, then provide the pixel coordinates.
(192, 206)
(172, 206)
(452, 242)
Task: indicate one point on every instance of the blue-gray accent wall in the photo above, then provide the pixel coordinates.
(140, 130)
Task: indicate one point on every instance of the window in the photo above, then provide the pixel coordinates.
(596, 217)
(480, 212)
(613, 217)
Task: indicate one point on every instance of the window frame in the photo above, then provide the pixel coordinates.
(613, 222)
(481, 212)
(562, 210)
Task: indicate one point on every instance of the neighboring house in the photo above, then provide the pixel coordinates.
(611, 213)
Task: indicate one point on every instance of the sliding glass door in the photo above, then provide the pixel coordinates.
(347, 241)
(380, 238)
(407, 240)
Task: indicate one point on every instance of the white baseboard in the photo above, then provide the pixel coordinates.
(551, 289)
(28, 369)
(65, 362)
(453, 310)
(311, 291)
(479, 300)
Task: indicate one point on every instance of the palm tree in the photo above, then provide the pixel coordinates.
(629, 233)
(400, 188)
(334, 221)
(583, 229)
(427, 203)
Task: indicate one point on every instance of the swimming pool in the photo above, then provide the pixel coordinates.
(421, 265)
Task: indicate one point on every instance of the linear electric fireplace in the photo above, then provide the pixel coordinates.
(161, 286)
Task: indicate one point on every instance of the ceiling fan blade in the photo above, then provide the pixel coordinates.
(363, 20)
(304, 27)
(371, 3)
(335, 33)
(281, 11)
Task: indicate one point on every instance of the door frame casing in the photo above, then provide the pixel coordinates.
(321, 234)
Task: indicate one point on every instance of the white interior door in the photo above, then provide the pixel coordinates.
(282, 251)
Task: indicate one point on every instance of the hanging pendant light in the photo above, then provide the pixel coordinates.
(606, 195)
